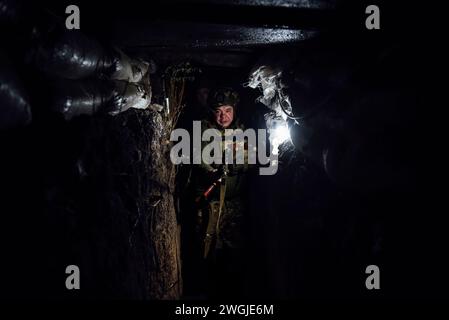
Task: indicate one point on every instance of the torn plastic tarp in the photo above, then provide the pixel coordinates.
(128, 95)
(268, 80)
(126, 68)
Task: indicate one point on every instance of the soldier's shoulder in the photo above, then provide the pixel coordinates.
(207, 124)
(239, 125)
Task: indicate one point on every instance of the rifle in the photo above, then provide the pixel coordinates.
(212, 187)
(213, 223)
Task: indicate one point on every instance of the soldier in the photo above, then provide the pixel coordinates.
(222, 202)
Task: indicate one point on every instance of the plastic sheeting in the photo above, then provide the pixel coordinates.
(84, 76)
(268, 80)
(72, 55)
(14, 107)
(76, 98)
(94, 79)
(125, 68)
(128, 95)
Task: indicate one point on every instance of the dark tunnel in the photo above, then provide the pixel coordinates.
(86, 117)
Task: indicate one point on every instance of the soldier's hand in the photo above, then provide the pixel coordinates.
(222, 171)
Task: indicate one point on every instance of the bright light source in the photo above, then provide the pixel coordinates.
(281, 133)
(278, 135)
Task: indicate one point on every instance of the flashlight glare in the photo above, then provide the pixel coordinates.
(281, 134)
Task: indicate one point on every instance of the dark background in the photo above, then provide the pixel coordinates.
(312, 233)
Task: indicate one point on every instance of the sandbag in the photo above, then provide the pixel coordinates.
(128, 95)
(15, 110)
(125, 68)
(72, 55)
(75, 98)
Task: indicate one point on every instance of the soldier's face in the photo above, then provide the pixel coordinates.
(224, 116)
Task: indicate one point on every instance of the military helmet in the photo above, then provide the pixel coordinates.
(223, 96)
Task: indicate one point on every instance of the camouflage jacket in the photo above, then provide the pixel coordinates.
(233, 211)
(236, 181)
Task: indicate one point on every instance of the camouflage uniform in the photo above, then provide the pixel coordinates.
(223, 211)
(230, 221)
(222, 231)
